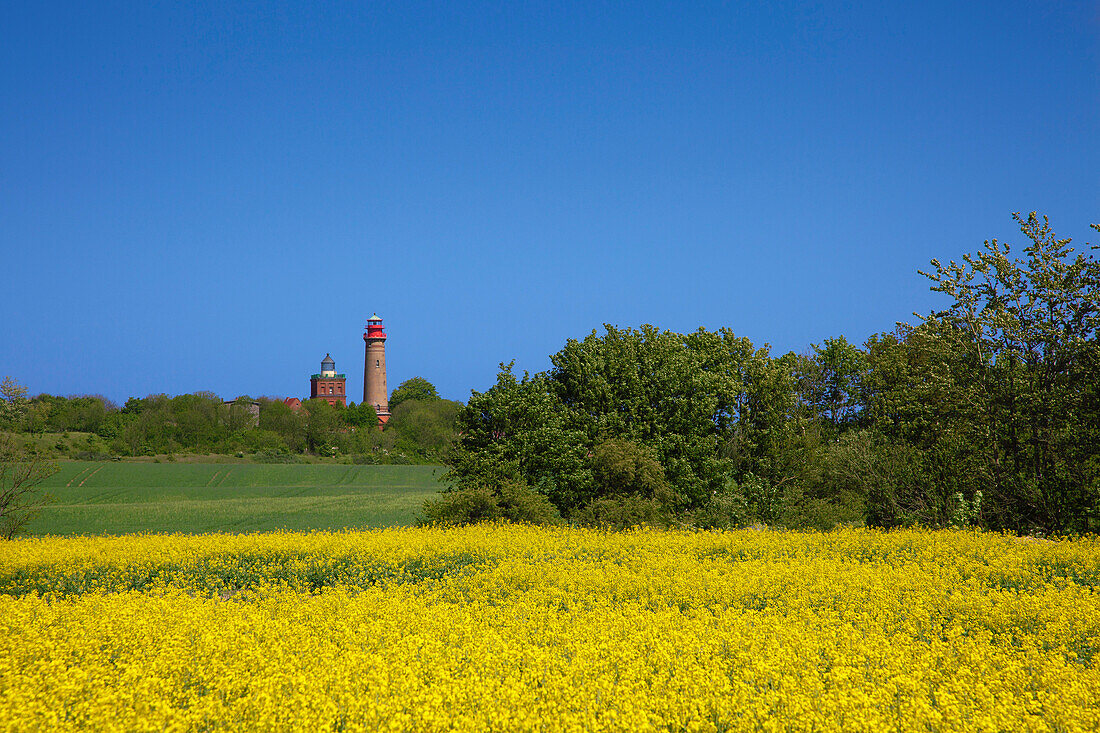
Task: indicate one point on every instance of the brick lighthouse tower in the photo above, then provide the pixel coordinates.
(374, 370)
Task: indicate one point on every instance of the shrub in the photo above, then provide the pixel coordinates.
(630, 489)
(512, 501)
(20, 473)
(766, 502)
(816, 513)
(622, 512)
(90, 455)
(888, 481)
(518, 503)
(623, 469)
(275, 456)
(725, 510)
(462, 506)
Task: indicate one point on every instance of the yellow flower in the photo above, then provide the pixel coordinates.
(518, 628)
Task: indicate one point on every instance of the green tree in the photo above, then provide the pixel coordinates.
(13, 401)
(630, 487)
(36, 418)
(238, 415)
(192, 421)
(20, 471)
(84, 413)
(277, 417)
(757, 411)
(322, 424)
(621, 468)
(113, 425)
(1005, 376)
(708, 407)
(425, 427)
(361, 416)
(831, 383)
(416, 388)
(648, 387)
(509, 500)
(516, 431)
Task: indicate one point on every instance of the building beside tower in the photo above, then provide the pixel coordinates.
(374, 369)
(331, 387)
(328, 385)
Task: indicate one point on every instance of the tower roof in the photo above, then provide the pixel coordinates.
(374, 318)
(327, 360)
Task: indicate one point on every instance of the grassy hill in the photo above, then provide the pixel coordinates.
(124, 498)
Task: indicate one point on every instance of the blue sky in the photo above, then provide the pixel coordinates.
(211, 196)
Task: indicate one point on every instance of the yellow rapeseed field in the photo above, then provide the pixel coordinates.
(517, 628)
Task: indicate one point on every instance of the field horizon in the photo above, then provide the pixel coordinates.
(114, 497)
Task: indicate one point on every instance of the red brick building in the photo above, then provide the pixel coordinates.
(328, 385)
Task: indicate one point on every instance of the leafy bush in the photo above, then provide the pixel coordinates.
(631, 489)
(512, 501)
(462, 506)
(623, 469)
(622, 512)
(424, 428)
(254, 440)
(275, 455)
(416, 388)
(90, 455)
(725, 510)
(821, 514)
(766, 502)
(518, 503)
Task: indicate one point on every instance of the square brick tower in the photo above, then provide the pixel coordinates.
(328, 385)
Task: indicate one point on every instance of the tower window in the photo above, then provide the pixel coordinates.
(377, 362)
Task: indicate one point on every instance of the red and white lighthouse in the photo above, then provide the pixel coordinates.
(374, 369)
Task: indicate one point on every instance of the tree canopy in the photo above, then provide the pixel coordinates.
(416, 388)
(985, 412)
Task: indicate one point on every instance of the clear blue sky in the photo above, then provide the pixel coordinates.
(211, 196)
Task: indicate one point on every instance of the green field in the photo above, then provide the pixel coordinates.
(124, 498)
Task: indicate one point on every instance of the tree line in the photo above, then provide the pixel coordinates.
(420, 428)
(986, 412)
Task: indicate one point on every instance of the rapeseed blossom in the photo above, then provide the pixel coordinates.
(520, 628)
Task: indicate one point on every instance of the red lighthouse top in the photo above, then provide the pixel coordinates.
(375, 329)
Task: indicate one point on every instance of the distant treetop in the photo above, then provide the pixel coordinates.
(416, 388)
